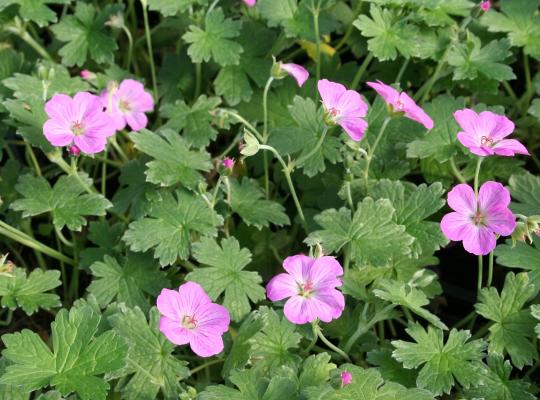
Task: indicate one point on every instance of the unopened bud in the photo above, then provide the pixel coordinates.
(85, 74)
(485, 5)
(251, 146)
(74, 151)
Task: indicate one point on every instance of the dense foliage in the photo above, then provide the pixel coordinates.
(269, 199)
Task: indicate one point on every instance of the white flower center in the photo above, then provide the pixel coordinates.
(486, 141)
(306, 289)
(77, 128)
(189, 322)
(124, 105)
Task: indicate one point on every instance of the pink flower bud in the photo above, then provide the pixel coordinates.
(485, 5)
(228, 163)
(250, 3)
(74, 151)
(85, 74)
(346, 378)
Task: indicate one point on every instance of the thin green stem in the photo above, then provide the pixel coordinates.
(316, 12)
(331, 345)
(130, 46)
(510, 91)
(361, 70)
(62, 237)
(490, 269)
(149, 46)
(265, 136)
(205, 365)
(315, 149)
(118, 149)
(402, 70)
(477, 175)
(529, 89)
(371, 151)
(33, 158)
(198, 80)
(246, 123)
(233, 144)
(480, 272)
(104, 177)
(26, 37)
(456, 172)
(464, 320)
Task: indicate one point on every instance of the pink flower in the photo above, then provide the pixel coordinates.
(310, 284)
(483, 134)
(127, 104)
(250, 3)
(344, 107)
(296, 71)
(189, 316)
(476, 222)
(485, 5)
(79, 120)
(228, 163)
(85, 74)
(402, 103)
(346, 378)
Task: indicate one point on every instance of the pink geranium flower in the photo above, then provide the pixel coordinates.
(476, 222)
(189, 316)
(484, 134)
(310, 286)
(344, 107)
(299, 73)
(250, 3)
(78, 121)
(401, 102)
(127, 104)
(346, 378)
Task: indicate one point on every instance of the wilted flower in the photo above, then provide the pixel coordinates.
(127, 104)
(344, 107)
(299, 73)
(476, 222)
(401, 102)
(78, 121)
(485, 5)
(310, 286)
(189, 316)
(346, 378)
(484, 134)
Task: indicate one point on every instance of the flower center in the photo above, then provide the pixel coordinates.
(478, 219)
(399, 105)
(486, 141)
(189, 322)
(124, 105)
(77, 128)
(306, 289)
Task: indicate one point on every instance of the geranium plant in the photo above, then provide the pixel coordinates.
(269, 199)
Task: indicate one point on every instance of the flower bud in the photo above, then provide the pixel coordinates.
(346, 378)
(228, 163)
(74, 151)
(485, 5)
(85, 74)
(251, 145)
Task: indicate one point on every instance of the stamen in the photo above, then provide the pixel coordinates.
(189, 322)
(77, 128)
(124, 105)
(486, 141)
(306, 289)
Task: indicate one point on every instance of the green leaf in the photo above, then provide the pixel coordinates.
(35, 10)
(247, 200)
(443, 363)
(520, 20)
(272, 346)
(413, 204)
(64, 201)
(525, 188)
(277, 11)
(513, 326)
(226, 275)
(408, 296)
(174, 162)
(373, 236)
(134, 189)
(388, 35)
(535, 312)
(127, 281)
(85, 35)
(390, 369)
(108, 239)
(77, 359)
(232, 83)
(11, 392)
(169, 8)
(471, 60)
(172, 225)
(441, 141)
(151, 365)
(315, 370)
(369, 385)
(214, 41)
(522, 256)
(196, 121)
(29, 292)
(497, 383)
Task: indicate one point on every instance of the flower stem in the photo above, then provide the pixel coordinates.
(480, 272)
(490, 269)
(19, 29)
(316, 12)
(529, 89)
(361, 70)
(265, 136)
(477, 175)
(205, 365)
(331, 345)
(246, 123)
(402, 70)
(130, 46)
(315, 149)
(149, 45)
(371, 151)
(455, 171)
(287, 171)
(198, 80)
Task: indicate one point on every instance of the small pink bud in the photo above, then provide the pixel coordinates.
(74, 151)
(346, 378)
(485, 5)
(85, 74)
(250, 3)
(228, 163)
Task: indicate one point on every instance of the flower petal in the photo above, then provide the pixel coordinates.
(492, 195)
(281, 286)
(136, 120)
(57, 106)
(299, 73)
(206, 344)
(169, 304)
(90, 144)
(415, 112)
(330, 93)
(213, 317)
(173, 331)
(191, 297)
(501, 221)
(298, 266)
(509, 147)
(461, 199)
(351, 105)
(502, 125)
(479, 240)
(387, 92)
(454, 225)
(57, 133)
(324, 273)
(354, 127)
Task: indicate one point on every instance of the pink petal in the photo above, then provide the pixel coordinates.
(213, 317)
(351, 105)
(298, 266)
(90, 144)
(296, 71)
(136, 120)
(281, 286)
(330, 93)
(482, 151)
(85, 105)
(173, 331)
(454, 225)
(57, 133)
(468, 139)
(250, 3)
(387, 92)
(334, 299)
(99, 124)
(479, 240)
(169, 304)
(355, 127)
(119, 121)
(133, 91)
(414, 112)
(300, 310)
(462, 199)
(501, 221)
(324, 273)
(206, 344)
(492, 195)
(509, 147)
(192, 296)
(502, 126)
(144, 102)
(57, 107)
(468, 120)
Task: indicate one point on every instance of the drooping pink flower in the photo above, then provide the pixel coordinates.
(189, 316)
(85, 74)
(346, 378)
(401, 102)
(250, 3)
(79, 120)
(344, 107)
(228, 163)
(484, 134)
(310, 286)
(127, 104)
(485, 5)
(476, 222)
(299, 73)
